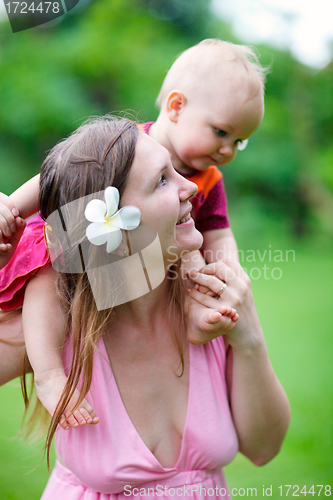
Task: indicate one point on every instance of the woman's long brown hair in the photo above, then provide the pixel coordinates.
(99, 154)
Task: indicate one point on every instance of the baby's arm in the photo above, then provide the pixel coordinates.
(44, 327)
(218, 244)
(26, 197)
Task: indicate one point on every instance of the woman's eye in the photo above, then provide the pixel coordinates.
(219, 132)
(242, 144)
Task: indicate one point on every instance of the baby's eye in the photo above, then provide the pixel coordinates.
(219, 132)
(161, 181)
(241, 144)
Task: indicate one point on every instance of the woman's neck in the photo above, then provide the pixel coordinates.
(144, 313)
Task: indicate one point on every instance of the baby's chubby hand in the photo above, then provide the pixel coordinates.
(11, 229)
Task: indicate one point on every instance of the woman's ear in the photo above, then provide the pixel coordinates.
(176, 101)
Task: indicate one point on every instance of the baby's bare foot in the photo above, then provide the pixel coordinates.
(222, 321)
(84, 414)
(49, 388)
(206, 325)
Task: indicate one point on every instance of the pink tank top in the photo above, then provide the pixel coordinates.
(110, 459)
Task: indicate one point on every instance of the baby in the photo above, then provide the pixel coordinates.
(211, 101)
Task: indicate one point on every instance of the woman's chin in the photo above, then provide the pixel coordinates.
(192, 242)
(197, 240)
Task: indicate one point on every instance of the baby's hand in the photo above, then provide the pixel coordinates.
(8, 213)
(8, 244)
(11, 229)
(49, 389)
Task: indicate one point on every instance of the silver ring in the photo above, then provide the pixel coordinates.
(224, 286)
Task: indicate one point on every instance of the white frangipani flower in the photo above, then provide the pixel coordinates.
(107, 222)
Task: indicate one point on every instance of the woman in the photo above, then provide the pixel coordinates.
(172, 413)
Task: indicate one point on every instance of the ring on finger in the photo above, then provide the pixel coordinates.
(224, 286)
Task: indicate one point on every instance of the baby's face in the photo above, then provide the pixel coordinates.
(212, 124)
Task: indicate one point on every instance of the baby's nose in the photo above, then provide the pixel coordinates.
(226, 150)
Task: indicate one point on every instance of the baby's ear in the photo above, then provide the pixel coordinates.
(175, 103)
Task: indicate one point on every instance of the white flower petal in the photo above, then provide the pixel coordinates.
(112, 200)
(95, 211)
(127, 218)
(98, 233)
(114, 240)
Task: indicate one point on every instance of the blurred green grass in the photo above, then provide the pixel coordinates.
(22, 475)
(296, 314)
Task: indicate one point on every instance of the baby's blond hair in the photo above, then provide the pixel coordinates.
(196, 64)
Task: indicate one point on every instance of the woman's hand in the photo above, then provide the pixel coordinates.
(236, 293)
(209, 316)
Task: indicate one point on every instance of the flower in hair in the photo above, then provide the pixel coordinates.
(242, 144)
(107, 222)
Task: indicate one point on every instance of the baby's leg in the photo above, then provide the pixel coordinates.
(12, 348)
(192, 261)
(45, 331)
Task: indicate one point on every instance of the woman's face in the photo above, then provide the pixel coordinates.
(162, 195)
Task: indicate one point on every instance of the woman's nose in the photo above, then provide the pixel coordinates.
(188, 189)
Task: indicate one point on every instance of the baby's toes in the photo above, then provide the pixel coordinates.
(72, 420)
(64, 423)
(212, 319)
(91, 415)
(85, 417)
(95, 417)
(81, 416)
(228, 312)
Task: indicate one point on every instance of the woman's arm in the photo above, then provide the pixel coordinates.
(259, 405)
(45, 330)
(12, 349)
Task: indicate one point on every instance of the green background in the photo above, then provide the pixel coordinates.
(112, 55)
